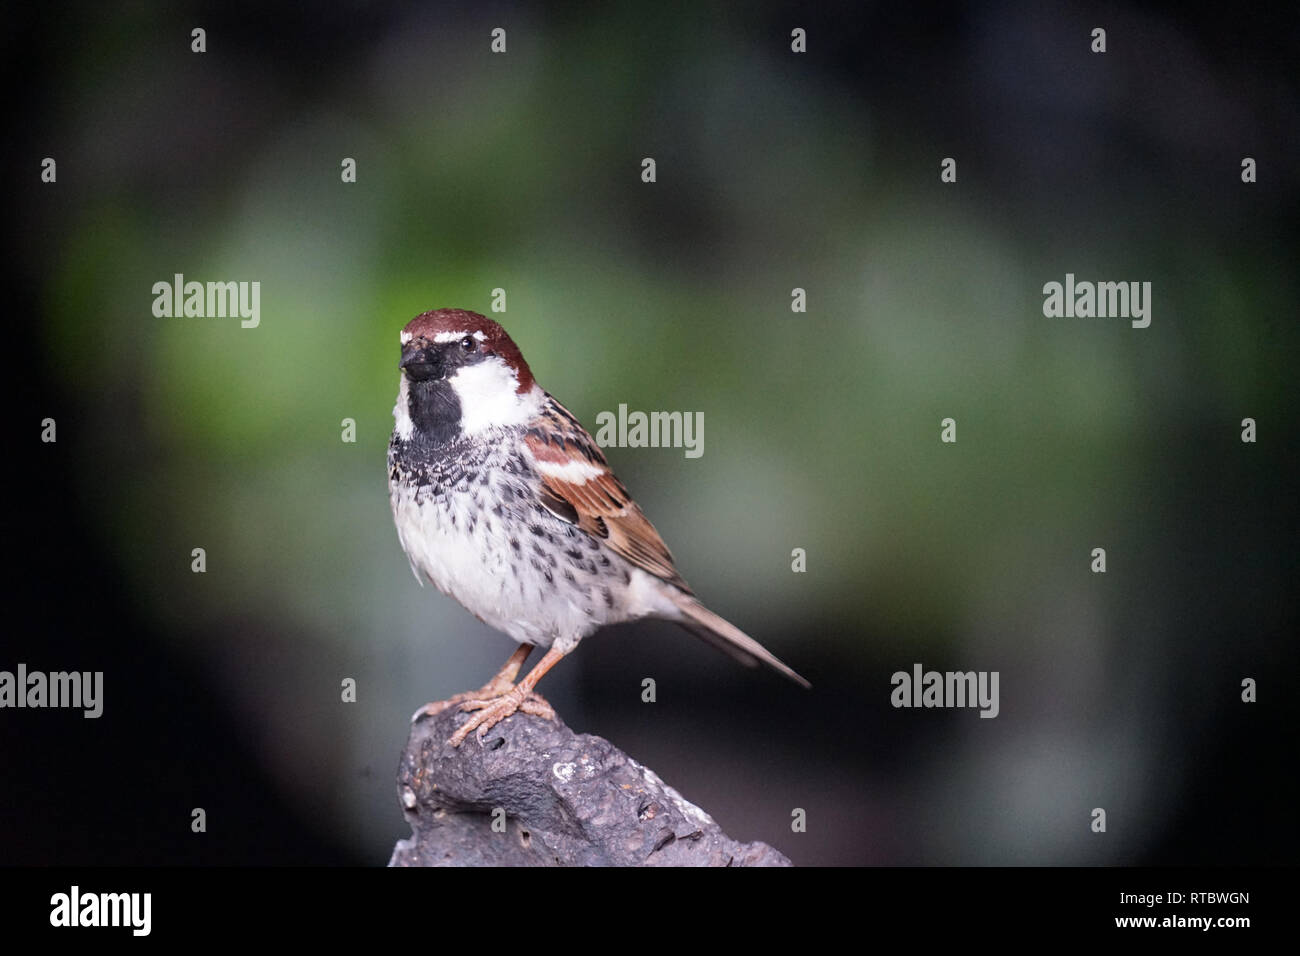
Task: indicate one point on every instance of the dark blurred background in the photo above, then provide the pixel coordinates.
(775, 170)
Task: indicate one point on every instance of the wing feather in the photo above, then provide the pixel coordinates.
(579, 487)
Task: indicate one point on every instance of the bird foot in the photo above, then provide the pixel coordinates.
(494, 709)
(490, 691)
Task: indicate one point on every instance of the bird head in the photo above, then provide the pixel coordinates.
(461, 374)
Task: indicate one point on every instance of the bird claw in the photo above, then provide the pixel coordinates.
(436, 707)
(490, 691)
(493, 710)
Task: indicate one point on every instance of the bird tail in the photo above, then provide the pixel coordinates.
(725, 636)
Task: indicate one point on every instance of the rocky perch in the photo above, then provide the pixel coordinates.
(534, 793)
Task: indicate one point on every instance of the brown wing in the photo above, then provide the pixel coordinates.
(578, 486)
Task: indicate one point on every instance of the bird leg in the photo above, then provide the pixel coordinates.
(493, 710)
(496, 687)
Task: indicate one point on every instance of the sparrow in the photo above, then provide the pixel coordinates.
(503, 501)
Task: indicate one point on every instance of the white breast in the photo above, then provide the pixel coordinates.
(472, 559)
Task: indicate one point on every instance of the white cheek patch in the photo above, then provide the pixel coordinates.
(444, 337)
(402, 412)
(573, 472)
(488, 399)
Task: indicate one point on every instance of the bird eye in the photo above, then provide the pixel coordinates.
(468, 343)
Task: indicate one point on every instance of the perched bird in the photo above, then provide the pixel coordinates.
(503, 501)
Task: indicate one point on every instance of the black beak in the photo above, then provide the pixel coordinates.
(421, 364)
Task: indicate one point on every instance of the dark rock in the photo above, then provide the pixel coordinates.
(568, 800)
